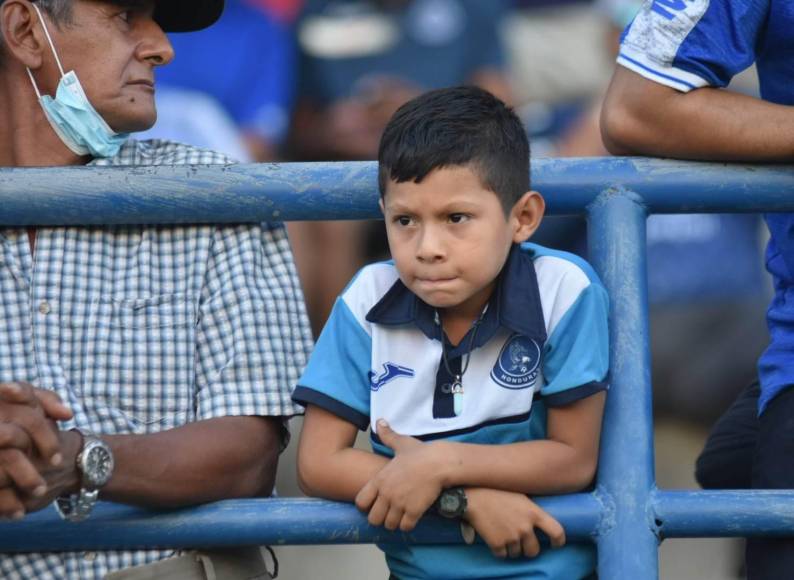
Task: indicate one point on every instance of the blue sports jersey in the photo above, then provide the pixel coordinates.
(686, 44)
(542, 342)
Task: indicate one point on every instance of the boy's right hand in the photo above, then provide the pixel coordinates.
(506, 521)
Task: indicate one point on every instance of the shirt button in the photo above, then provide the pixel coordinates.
(44, 307)
(89, 556)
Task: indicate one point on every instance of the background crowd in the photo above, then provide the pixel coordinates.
(305, 80)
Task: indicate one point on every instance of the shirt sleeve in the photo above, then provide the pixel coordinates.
(687, 44)
(253, 335)
(576, 354)
(337, 376)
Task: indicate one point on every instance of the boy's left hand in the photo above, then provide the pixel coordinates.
(404, 489)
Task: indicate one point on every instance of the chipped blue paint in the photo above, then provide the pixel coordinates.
(687, 514)
(283, 192)
(626, 473)
(250, 522)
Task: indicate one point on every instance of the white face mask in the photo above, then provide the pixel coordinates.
(72, 116)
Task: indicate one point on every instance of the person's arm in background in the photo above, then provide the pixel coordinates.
(666, 97)
(644, 117)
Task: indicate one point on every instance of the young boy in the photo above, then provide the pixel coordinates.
(479, 359)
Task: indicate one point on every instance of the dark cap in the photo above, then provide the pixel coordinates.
(186, 15)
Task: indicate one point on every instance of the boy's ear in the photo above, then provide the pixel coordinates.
(526, 215)
(381, 206)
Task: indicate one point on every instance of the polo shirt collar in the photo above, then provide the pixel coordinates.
(515, 304)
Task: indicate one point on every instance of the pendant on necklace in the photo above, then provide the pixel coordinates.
(457, 395)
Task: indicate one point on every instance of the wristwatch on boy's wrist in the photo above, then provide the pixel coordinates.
(95, 466)
(451, 503)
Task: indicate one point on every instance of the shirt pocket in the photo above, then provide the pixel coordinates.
(138, 359)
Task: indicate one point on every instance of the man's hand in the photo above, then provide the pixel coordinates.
(61, 479)
(403, 490)
(506, 521)
(30, 445)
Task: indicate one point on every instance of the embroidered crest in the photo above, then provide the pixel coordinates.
(390, 372)
(517, 365)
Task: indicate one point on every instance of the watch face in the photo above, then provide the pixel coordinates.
(97, 464)
(450, 503)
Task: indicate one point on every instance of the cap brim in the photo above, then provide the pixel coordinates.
(187, 15)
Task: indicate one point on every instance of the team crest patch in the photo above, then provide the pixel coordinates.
(517, 365)
(390, 372)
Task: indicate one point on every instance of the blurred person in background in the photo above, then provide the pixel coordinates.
(359, 61)
(231, 87)
(554, 51)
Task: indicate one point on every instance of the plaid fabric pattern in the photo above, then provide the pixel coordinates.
(141, 329)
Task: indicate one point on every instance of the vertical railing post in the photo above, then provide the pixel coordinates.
(627, 545)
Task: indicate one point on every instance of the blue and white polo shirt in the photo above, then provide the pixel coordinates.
(542, 341)
(686, 44)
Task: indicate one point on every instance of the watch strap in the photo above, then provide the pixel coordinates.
(76, 507)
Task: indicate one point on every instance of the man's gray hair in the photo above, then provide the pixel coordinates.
(59, 10)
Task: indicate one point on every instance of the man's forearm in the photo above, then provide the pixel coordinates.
(205, 461)
(642, 117)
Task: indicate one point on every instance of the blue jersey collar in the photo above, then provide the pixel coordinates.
(515, 304)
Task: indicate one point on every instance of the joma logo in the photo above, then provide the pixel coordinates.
(390, 372)
(664, 7)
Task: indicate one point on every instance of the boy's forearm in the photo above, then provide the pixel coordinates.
(532, 467)
(342, 475)
(564, 462)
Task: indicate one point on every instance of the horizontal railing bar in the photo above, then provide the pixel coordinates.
(721, 514)
(288, 521)
(348, 190)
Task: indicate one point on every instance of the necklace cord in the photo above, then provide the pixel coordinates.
(467, 354)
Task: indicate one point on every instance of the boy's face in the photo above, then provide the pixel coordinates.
(449, 237)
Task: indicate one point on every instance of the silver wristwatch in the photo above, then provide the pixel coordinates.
(95, 465)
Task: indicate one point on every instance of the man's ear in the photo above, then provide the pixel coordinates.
(22, 34)
(526, 215)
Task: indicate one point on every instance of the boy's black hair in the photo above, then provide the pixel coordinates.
(460, 126)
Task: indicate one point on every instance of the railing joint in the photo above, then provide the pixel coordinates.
(612, 193)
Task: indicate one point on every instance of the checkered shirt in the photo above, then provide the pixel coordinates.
(144, 328)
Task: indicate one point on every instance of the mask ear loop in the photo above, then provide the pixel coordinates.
(52, 47)
(49, 39)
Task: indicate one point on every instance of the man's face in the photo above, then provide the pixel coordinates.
(449, 238)
(114, 50)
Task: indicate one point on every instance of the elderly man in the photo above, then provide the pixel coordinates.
(145, 365)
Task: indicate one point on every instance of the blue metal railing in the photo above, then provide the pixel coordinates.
(626, 515)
